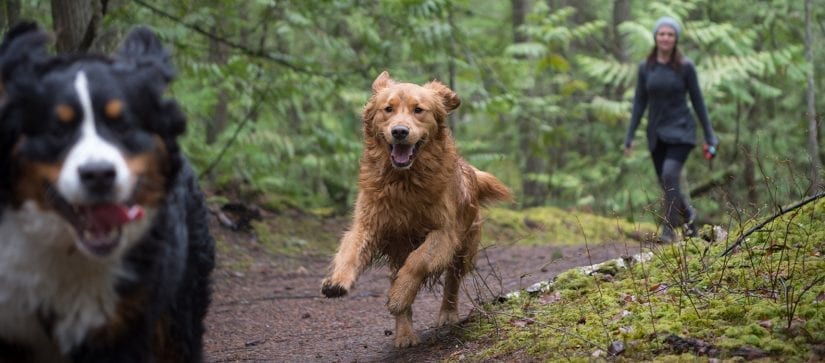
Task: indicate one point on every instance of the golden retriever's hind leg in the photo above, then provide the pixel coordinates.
(349, 262)
(448, 314)
(405, 335)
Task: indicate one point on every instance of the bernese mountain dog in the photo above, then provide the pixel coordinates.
(105, 253)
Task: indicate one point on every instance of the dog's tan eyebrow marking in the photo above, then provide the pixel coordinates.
(65, 113)
(113, 109)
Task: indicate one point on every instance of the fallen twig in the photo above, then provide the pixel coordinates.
(769, 220)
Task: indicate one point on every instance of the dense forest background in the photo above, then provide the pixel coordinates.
(274, 90)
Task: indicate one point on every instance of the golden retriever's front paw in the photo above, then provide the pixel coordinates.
(447, 317)
(330, 289)
(404, 340)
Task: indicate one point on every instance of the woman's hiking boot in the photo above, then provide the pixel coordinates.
(689, 228)
(668, 235)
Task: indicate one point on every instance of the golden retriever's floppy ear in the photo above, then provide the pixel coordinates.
(383, 81)
(449, 98)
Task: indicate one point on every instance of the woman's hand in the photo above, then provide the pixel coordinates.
(709, 151)
(628, 149)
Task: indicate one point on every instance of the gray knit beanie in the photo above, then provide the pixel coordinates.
(666, 20)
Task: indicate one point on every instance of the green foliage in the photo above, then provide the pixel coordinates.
(294, 76)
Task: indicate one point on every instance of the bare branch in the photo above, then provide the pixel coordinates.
(769, 220)
(282, 59)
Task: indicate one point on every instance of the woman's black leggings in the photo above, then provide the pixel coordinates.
(668, 159)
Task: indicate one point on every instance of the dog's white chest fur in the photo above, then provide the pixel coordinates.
(46, 282)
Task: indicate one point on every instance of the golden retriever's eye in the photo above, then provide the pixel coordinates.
(418, 110)
(388, 109)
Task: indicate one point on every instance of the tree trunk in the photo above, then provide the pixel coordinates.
(520, 9)
(813, 143)
(75, 23)
(750, 177)
(534, 190)
(621, 13)
(11, 14)
(109, 36)
(220, 114)
(451, 120)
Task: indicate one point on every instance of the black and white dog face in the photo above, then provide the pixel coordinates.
(88, 141)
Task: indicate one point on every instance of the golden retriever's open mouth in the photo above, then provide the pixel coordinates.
(402, 155)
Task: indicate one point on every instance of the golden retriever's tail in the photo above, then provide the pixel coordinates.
(491, 189)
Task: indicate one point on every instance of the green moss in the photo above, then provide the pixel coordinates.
(232, 257)
(746, 299)
(572, 280)
(545, 225)
(285, 235)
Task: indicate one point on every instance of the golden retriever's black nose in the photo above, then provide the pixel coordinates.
(97, 177)
(400, 132)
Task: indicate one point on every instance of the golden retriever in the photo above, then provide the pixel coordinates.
(418, 203)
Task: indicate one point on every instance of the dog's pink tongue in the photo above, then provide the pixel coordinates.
(402, 153)
(108, 215)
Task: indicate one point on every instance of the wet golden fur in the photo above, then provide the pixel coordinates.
(423, 218)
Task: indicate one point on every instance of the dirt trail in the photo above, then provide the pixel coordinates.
(274, 311)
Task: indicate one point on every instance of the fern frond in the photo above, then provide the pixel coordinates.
(610, 111)
(607, 71)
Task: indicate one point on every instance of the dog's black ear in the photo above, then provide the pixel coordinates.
(383, 81)
(143, 52)
(22, 47)
(449, 98)
(145, 65)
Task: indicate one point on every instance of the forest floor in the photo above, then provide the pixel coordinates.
(267, 305)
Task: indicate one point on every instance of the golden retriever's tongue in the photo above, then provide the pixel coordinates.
(401, 153)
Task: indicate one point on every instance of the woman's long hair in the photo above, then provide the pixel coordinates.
(675, 61)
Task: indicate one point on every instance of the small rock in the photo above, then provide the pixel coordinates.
(532, 224)
(719, 234)
(521, 323)
(628, 298)
(537, 287)
(615, 348)
(749, 352)
(253, 343)
(550, 298)
(598, 353)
